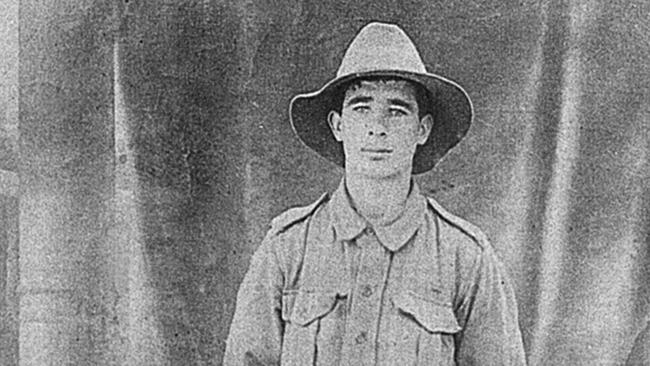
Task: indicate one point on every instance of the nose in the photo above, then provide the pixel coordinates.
(377, 126)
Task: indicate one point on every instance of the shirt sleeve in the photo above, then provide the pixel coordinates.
(488, 315)
(256, 331)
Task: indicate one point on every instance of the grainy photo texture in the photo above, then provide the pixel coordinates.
(324, 182)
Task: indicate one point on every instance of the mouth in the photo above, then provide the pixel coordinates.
(376, 150)
(376, 154)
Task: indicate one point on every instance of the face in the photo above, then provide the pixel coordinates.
(380, 128)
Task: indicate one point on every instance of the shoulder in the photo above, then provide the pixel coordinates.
(296, 215)
(454, 227)
(467, 251)
(287, 235)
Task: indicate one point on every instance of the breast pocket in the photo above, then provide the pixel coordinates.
(427, 329)
(314, 326)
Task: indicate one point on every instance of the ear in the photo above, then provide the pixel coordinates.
(335, 122)
(426, 124)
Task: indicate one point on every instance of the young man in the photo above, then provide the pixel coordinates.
(376, 273)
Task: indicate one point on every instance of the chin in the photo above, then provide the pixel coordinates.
(376, 171)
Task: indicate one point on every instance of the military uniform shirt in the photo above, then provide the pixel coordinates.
(327, 288)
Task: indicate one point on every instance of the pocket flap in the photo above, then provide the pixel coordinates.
(435, 317)
(302, 308)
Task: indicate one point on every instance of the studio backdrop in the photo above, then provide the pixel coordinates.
(155, 148)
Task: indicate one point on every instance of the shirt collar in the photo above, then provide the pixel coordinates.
(348, 224)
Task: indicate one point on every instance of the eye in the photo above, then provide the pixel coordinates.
(361, 108)
(397, 112)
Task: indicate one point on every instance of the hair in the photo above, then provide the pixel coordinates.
(422, 95)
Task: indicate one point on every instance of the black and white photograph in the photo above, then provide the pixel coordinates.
(292, 183)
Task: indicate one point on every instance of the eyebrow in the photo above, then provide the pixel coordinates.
(401, 103)
(393, 101)
(358, 99)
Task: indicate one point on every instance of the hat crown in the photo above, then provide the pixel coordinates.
(381, 46)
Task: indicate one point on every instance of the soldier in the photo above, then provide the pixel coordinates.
(376, 273)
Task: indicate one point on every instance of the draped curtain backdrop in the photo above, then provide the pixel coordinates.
(554, 169)
(156, 145)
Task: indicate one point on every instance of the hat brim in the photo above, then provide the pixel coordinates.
(450, 107)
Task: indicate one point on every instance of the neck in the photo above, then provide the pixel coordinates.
(378, 200)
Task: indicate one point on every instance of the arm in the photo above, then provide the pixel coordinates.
(488, 314)
(256, 331)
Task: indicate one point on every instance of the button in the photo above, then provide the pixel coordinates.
(366, 291)
(369, 231)
(361, 338)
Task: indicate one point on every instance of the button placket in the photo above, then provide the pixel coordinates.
(363, 318)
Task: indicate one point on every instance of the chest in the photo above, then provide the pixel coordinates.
(357, 303)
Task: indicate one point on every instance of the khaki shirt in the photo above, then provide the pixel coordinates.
(326, 288)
